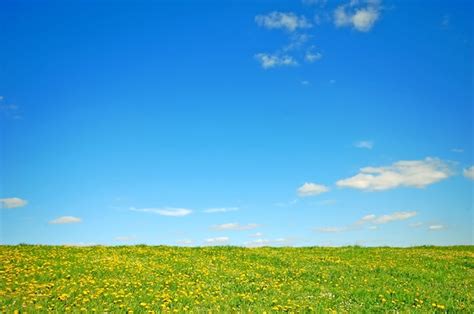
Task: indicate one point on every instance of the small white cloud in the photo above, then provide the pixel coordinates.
(391, 217)
(282, 20)
(220, 210)
(469, 172)
(185, 242)
(168, 211)
(217, 241)
(268, 61)
(371, 220)
(361, 19)
(364, 144)
(436, 227)
(405, 173)
(311, 55)
(416, 224)
(332, 229)
(446, 21)
(12, 202)
(125, 238)
(257, 243)
(457, 150)
(311, 189)
(65, 220)
(256, 235)
(235, 226)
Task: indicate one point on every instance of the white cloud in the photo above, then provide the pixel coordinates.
(310, 189)
(268, 61)
(217, 240)
(407, 173)
(256, 235)
(65, 220)
(389, 218)
(258, 242)
(235, 226)
(125, 238)
(282, 20)
(360, 18)
(167, 211)
(220, 210)
(12, 202)
(416, 224)
(364, 144)
(267, 242)
(436, 227)
(185, 242)
(469, 172)
(457, 150)
(312, 56)
(332, 229)
(371, 220)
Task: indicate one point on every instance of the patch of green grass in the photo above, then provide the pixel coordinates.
(230, 279)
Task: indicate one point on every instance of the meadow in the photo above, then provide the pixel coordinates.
(233, 279)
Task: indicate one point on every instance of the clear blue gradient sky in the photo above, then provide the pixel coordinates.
(236, 122)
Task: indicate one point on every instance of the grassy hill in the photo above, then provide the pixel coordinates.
(234, 279)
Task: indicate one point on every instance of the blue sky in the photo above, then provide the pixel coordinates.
(236, 122)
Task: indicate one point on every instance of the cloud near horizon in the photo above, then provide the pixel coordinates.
(404, 173)
(235, 226)
(371, 219)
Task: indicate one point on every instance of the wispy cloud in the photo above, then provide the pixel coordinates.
(457, 150)
(311, 55)
(311, 189)
(383, 219)
(184, 242)
(436, 227)
(125, 238)
(256, 235)
(65, 220)
(167, 211)
(268, 61)
(288, 21)
(331, 229)
(267, 242)
(364, 144)
(235, 226)
(416, 224)
(372, 220)
(220, 210)
(217, 241)
(360, 17)
(469, 172)
(12, 202)
(10, 111)
(405, 173)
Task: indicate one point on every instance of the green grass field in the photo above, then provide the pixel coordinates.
(233, 279)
